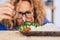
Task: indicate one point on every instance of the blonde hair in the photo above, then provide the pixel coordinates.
(40, 14)
(38, 10)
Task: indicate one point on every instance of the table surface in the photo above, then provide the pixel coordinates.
(16, 35)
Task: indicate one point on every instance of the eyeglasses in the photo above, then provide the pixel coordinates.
(27, 12)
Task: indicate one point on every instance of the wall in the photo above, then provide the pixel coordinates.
(57, 13)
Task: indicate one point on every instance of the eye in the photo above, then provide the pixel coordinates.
(20, 12)
(28, 12)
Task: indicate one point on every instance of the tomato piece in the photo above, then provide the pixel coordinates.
(27, 29)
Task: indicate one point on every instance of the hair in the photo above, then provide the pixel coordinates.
(37, 9)
(39, 12)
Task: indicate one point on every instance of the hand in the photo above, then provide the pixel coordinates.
(6, 11)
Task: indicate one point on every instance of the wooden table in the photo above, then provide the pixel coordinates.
(16, 35)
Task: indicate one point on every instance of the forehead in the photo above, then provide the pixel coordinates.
(25, 2)
(25, 5)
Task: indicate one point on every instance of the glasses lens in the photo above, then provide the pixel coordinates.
(28, 14)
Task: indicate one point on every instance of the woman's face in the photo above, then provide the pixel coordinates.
(24, 11)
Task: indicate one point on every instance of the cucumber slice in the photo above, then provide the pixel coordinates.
(35, 24)
(22, 27)
(27, 23)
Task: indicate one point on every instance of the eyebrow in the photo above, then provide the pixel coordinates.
(25, 12)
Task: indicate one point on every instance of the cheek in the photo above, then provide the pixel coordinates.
(19, 16)
(19, 21)
(31, 19)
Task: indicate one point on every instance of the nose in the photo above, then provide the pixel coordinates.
(24, 18)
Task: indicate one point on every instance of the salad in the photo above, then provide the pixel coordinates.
(27, 26)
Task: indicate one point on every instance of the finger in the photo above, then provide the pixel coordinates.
(5, 8)
(6, 12)
(9, 5)
(5, 17)
(2, 10)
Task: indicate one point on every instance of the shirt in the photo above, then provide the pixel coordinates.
(2, 26)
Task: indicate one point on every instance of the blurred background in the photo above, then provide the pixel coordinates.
(52, 8)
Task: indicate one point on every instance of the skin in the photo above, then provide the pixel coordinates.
(9, 9)
(25, 6)
(6, 11)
